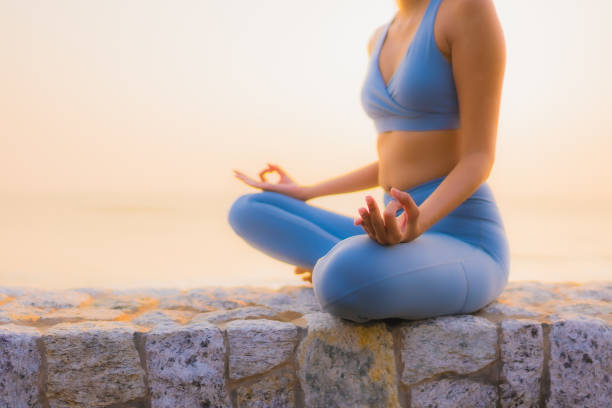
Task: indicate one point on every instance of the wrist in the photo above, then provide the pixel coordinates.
(308, 193)
(421, 225)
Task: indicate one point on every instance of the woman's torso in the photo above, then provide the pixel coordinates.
(410, 157)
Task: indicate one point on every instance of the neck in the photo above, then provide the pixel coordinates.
(407, 7)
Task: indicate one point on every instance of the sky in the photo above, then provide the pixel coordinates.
(169, 96)
(121, 122)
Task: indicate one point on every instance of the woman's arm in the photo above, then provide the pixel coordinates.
(478, 55)
(363, 178)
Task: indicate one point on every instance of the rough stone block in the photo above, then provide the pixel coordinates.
(257, 345)
(153, 318)
(19, 367)
(56, 299)
(454, 393)
(186, 366)
(276, 390)
(239, 313)
(344, 364)
(92, 364)
(580, 362)
(460, 343)
(522, 354)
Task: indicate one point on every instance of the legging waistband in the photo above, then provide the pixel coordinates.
(425, 184)
(476, 221)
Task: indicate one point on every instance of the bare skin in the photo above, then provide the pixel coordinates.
(469, 35)
(408, 158)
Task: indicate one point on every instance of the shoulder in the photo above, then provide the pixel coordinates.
(472, 6)
(468, 13)
(474, 20)
(374, 37)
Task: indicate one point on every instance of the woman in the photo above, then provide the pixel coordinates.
(439, 247)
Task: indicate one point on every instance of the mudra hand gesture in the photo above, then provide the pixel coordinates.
(389, 229)
(286, 185)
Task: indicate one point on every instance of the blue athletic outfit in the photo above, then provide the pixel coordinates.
(421, 94)
(459, 265)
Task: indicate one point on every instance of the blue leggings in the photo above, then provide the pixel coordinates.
(459, 265)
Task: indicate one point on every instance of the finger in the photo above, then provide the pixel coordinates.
(276, 167)
(243, 176)
(366, 225)
(263, 173)
(363, 216)
(282, 173)
(393, 233)
(250, 181)
(407, 202)
(404, 198)
(376, 220)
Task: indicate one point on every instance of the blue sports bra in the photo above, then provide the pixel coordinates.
(421, 94)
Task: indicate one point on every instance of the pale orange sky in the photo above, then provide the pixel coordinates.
(160, 100)
(170, 96)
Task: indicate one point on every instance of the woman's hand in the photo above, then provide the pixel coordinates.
(285, 185)
(389, 229)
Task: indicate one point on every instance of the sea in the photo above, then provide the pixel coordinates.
(131, 240)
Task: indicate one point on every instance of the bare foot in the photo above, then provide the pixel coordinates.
(307, 273)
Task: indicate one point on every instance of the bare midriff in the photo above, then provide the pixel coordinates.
(409, 158)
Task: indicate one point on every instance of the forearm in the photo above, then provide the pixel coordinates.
(457, 186)
(360, 179)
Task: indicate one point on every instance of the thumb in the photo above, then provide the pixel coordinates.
(406, 200)
(392, 208)
(281, 172)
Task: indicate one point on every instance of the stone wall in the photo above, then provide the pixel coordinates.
(537, 345)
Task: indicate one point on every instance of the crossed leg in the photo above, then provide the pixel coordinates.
(289, 229)
(355, 277)
(436, 274)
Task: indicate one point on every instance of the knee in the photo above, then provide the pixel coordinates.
(487, 279)
(341, 272)
(239, 211)
(242, 210)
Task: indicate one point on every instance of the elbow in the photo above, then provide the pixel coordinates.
(479, 165)
(487, 166)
